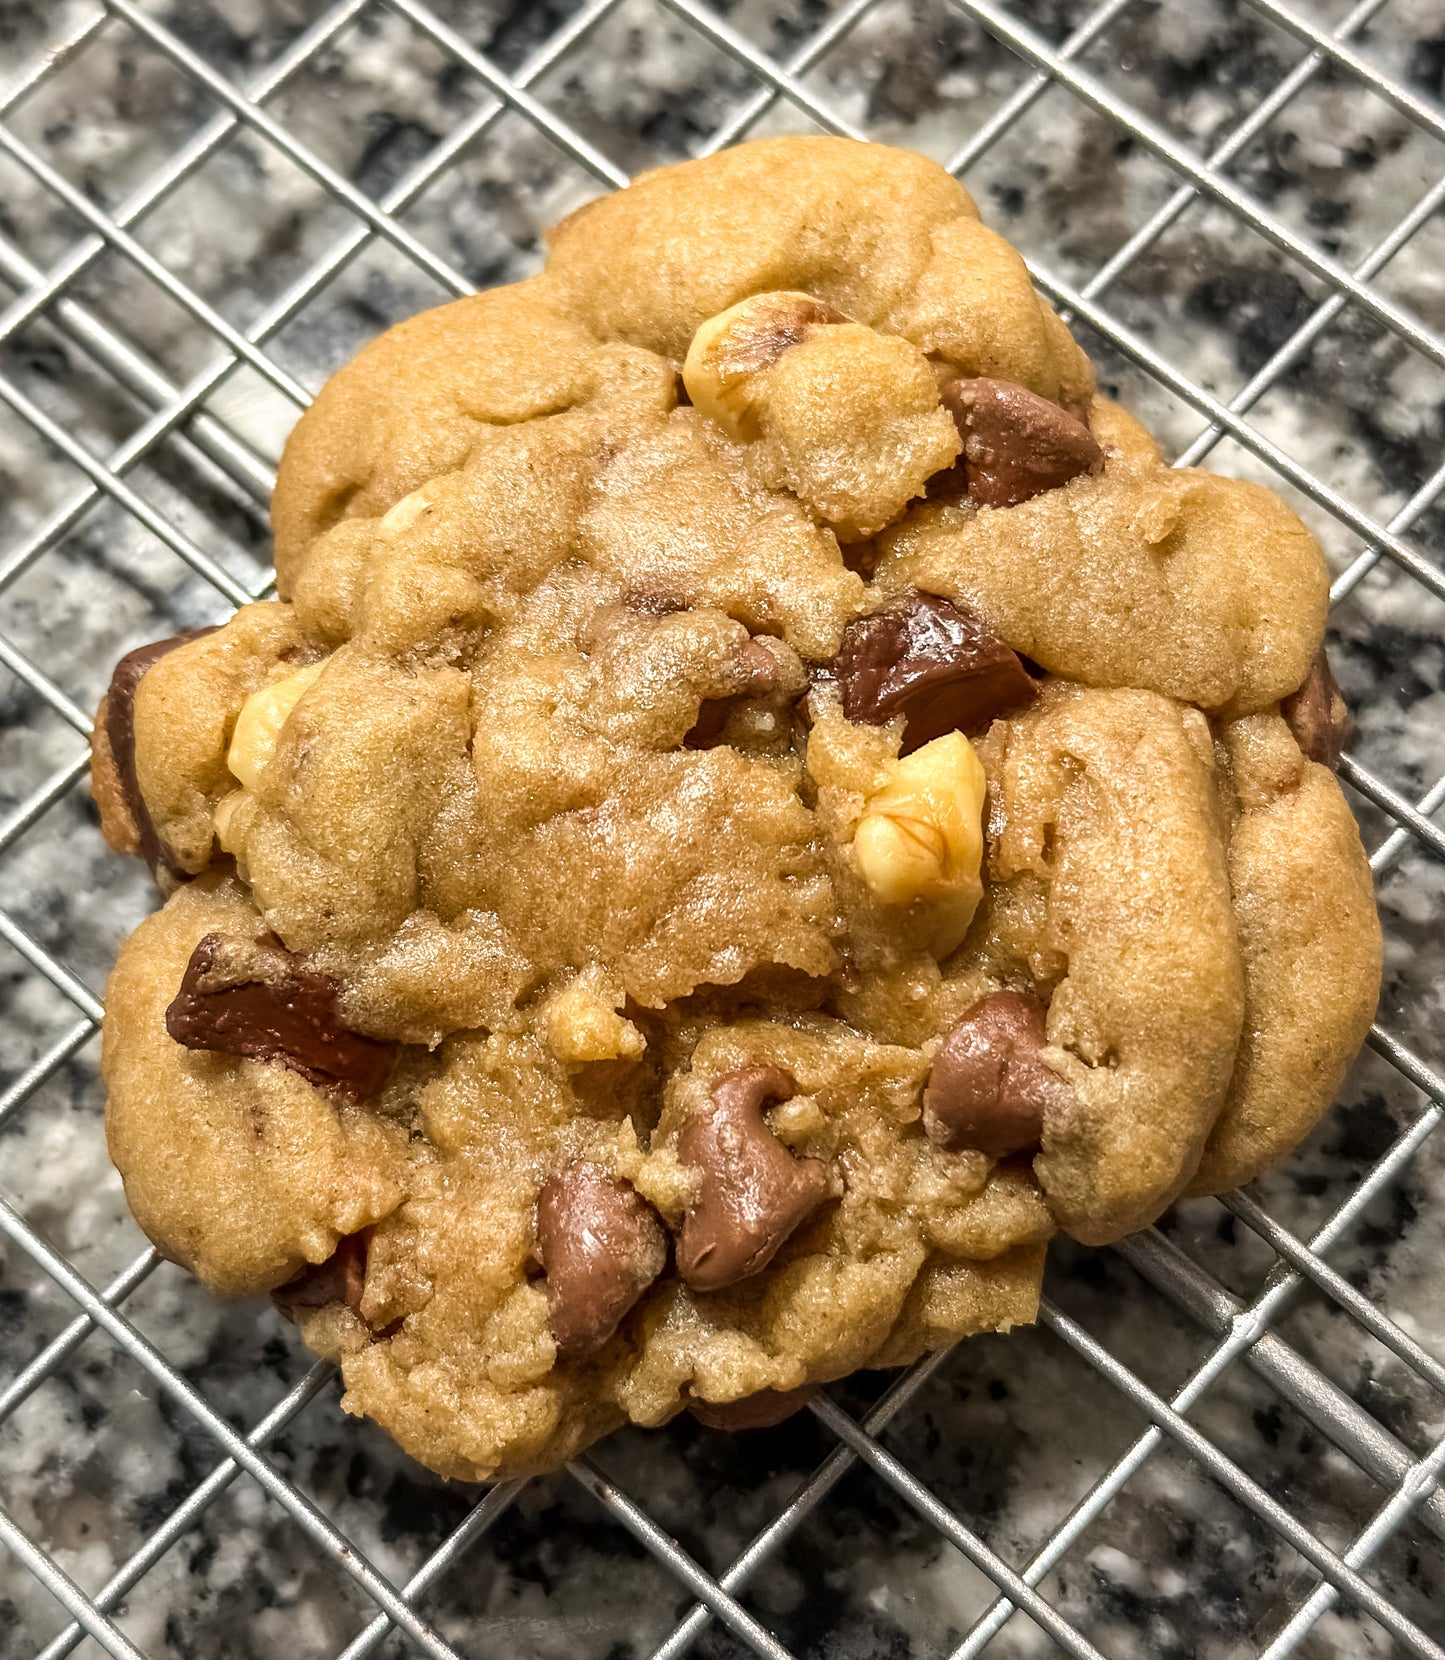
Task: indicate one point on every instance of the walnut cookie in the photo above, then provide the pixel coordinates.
(762, 798)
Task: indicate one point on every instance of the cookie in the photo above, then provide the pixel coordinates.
(761, 799)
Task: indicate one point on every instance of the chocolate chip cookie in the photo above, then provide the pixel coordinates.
(761, 799)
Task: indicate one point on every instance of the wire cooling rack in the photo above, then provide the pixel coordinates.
(1226, 1436)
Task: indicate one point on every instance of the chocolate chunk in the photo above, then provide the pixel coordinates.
(754, 1192)
(601, 1246)
(760, 1411)
(340, 1279)
(252, 997)
(654, 602)
(120, 734)
(989, 1090)
(712, 716)
(1318, 715)
(932, 662)
(1015, 444)
(760, 675)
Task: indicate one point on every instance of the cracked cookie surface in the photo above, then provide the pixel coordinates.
(761, 799)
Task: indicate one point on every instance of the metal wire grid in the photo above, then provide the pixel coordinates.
(180, 417)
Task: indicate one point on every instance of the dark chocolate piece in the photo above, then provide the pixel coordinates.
(340, 1279)
(252, 997)
(120, 734)
(760, 672)
(1318, 715)
(1016, 444)
(760, 1411)
(934, 663)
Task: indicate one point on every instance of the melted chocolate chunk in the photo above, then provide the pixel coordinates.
(760, 672)
(712, 717)
(252, 997)
(1318, 715)
(989, 1090)
(932, 662)
(340, 1279)
(753, 1193)
(654, 602)
(601, 1245)
(760, 1411)
(1016, 444)
(120, 735)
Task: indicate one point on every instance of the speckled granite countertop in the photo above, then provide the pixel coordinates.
(1009, 1433)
